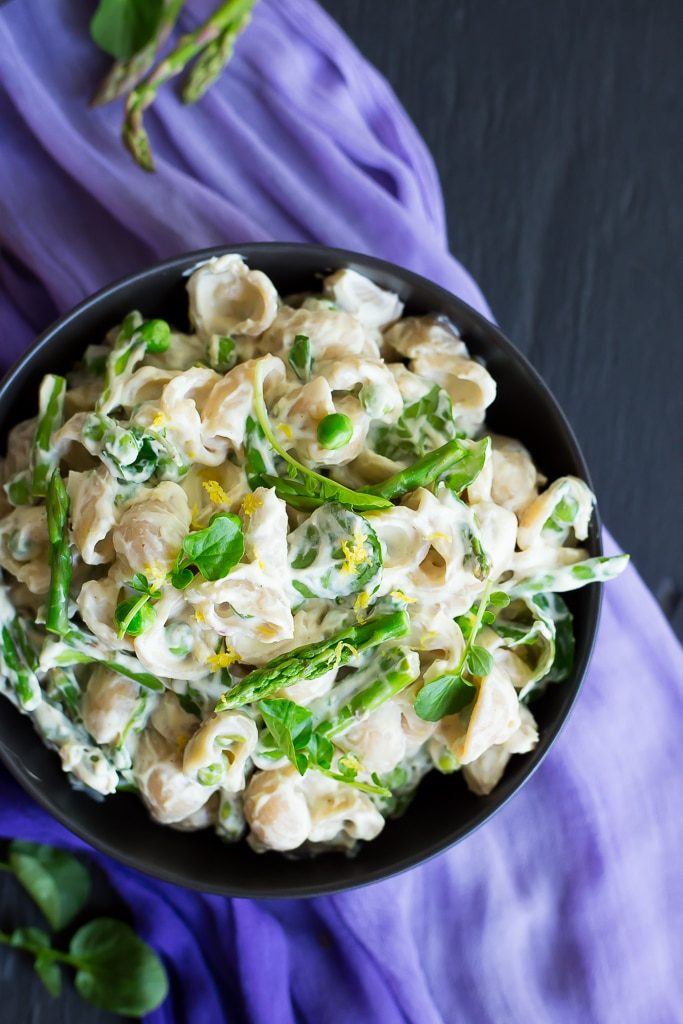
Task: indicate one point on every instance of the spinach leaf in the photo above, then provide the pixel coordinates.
(116, 970)
(335, 552)
(422, 426)
(55, 880)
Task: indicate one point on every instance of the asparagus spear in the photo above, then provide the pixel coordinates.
(57, 505)
(314, 659)
(213, 59)
(51, 412)
(134, 135)
(125, 74)
(422, 472)
(396, 669)
(21, 676)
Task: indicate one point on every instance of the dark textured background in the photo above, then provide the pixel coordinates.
(556, 129)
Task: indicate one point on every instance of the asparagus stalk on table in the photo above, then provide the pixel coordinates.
(213, 60)
(189, 46)
(124, 75)
(315, 659)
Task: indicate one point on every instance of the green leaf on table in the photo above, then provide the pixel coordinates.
(54, 879)
(49, 973)
(445, 695)
(213, 551)
(122, 27)
(116, 970)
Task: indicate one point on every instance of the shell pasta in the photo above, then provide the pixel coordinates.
(269, 573)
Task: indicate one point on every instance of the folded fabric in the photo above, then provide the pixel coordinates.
(568, 905)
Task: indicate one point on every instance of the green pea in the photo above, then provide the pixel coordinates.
(156, 334)
(143, 617)
(211, 775)
(334, 431)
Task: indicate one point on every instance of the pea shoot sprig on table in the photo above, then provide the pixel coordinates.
(135, 32)
(114, 969)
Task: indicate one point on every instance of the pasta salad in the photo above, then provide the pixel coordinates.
(270, 573)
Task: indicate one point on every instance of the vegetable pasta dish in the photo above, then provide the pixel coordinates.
(270, 573)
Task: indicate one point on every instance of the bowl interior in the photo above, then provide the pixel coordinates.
(444, 810)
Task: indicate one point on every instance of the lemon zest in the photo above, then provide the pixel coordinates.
(400, 596)
(426, 637)
(339, 650)
(156, 575)
(251, 503)
(191, 453)
(267, 630)
(223, 659)
(361, 602)
(438, 536)
(286, 430)
(355, 554)
(194, 516)
(159, 420)
(215, 492)
(200, 616)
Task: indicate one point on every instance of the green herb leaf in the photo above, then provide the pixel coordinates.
(117, 971)
(479, 661)
(290, 726)
(54, 879)
(122, 27)
(49, 973)
(214, 550)
(300, 358)
(445, 695)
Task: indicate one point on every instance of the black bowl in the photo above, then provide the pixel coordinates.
(443, 811)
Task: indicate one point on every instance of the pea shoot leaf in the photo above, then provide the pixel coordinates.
(214, 551)
(445, 695)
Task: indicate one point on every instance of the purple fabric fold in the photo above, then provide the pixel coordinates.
(568, 905)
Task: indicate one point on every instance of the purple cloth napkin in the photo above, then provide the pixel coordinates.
(568, 906)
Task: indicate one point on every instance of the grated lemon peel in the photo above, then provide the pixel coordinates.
(215, 492)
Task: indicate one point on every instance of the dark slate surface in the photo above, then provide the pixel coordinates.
(556, 128)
